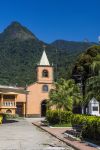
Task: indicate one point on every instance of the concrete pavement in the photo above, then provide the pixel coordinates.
(22, 135)
(59, 133)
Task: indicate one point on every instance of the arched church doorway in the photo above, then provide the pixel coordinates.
(43, 108)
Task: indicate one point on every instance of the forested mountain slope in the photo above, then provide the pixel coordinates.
(21, 50)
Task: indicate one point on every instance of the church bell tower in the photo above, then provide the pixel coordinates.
(44, 70)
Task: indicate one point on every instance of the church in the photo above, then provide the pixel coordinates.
(30, 102)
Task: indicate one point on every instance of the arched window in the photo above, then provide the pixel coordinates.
(45, 73)
(45, 88)
(8, 111)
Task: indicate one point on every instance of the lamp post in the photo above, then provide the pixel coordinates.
(81, 91)
(79, 81)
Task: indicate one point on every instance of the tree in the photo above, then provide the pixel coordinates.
(89, 61)
(93, 88)
(65, 94)
(95, 66)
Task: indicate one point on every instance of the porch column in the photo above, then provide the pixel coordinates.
(15, 99)
(15, 103)
(26, 105)
(24, 108)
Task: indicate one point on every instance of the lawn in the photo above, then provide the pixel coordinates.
(62, 125)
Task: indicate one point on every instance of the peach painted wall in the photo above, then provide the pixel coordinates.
(21, 98)
(35, 97)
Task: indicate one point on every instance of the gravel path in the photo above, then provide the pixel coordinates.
(22, 135)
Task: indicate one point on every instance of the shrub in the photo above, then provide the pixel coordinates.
(66, 116)
(91, 126)
(1, 118)
(52, 117)
(78, 119)
(92, 129)
(58, 116)
(10, 116)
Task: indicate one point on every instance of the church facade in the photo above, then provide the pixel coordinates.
(32, 101)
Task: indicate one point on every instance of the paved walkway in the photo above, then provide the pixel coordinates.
(58, 132)
(22, 135)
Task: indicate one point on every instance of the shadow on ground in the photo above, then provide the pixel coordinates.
(9, 121)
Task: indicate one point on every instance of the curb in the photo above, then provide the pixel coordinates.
(71, 145)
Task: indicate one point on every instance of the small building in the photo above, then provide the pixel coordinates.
(93, 107)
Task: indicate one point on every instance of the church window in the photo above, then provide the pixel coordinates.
(45, 73)
(45, 88)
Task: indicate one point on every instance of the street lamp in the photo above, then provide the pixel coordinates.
(79, 80)
(81, 91)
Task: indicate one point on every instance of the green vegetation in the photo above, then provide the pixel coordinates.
(72, 47)
(68, 95)
(55, 117)
(1, 118)
(10, 116)
(92, 88)
(5, 118)
(88, 63)
(89, 126)
(21, 50)
(65, 95)
(62, 125)
(87, 72)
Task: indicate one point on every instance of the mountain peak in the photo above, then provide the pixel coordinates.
(15, 23)
(16, 30)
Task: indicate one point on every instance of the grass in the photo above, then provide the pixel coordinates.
(62, 125)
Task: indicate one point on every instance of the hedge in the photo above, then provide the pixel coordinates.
(58, 116)
(91, 126)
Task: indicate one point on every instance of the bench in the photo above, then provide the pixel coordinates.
(75, 133)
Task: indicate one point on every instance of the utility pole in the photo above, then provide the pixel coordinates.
(81, 86)
(56, 65)
(82, 95)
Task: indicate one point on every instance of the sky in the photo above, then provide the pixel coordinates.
(49, 20)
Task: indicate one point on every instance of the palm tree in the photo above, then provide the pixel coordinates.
(93, 88)
(65, 94)
(95, 66)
